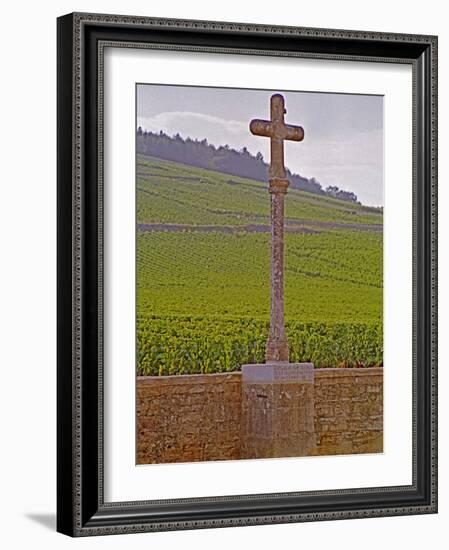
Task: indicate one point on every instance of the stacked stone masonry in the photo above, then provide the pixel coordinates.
(192, 418)
(348, 411)
(188, 418)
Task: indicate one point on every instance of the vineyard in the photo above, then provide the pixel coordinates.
(203, 274)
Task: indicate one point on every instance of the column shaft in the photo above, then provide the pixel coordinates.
(277, 345)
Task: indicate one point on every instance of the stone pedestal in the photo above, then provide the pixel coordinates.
(277, 410)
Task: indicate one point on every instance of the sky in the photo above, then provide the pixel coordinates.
(343, 143)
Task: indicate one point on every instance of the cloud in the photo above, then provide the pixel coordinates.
(194, 125)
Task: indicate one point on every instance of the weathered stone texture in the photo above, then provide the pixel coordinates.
(277, 131)
(277, 410)
(349, 411)
(204, 417)
(188, 418)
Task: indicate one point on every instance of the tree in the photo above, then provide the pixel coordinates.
(336, 192)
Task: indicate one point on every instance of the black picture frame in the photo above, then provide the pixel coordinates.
(81, 510)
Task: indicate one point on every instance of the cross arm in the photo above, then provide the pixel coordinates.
(275, 130)
(293, 133)
(260, 127)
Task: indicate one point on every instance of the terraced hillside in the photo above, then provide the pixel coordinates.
(203, 273)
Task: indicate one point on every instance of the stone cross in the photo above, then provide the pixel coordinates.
(277, 131)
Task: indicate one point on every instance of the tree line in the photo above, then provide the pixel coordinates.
(201, 154)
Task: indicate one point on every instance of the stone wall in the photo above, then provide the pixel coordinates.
(199, 417)
(348, 411)
(188, 418)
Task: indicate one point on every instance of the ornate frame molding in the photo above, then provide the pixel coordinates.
(81, 41)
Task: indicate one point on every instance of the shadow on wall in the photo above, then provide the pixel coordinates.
(46, 520)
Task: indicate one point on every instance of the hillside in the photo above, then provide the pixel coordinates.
(226, 160)
(203, 273)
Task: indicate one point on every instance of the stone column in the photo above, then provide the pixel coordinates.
(278, 410)
(277, 345)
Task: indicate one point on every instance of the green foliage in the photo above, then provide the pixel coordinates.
(203, 296)
(193, 345)
(330, 276)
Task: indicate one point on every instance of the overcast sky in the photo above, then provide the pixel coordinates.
(343, 143)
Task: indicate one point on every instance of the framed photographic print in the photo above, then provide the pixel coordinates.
(247, 282)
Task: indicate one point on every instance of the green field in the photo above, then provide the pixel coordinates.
(203, 273)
